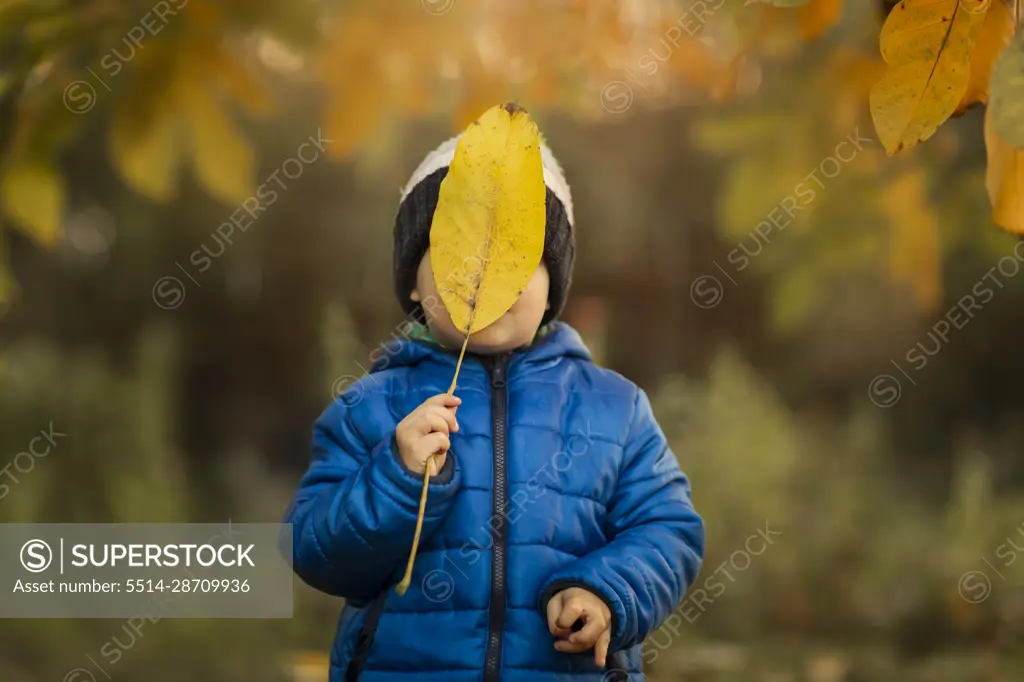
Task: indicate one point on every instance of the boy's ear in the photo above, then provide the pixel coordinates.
(414, 295)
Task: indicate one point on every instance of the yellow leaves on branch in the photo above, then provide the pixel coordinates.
(1008, 92)
(222, 159)
(1004, 179)
(155, 132)
(927, 45)
(146, 153)
(172, 109)
(351, 66)
(944, 56)
(143, 140)
(1004, 135)
(487, 236)
(995, 34)
(1004, 118)
(33, 195)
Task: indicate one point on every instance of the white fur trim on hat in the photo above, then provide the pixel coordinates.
(443, 155)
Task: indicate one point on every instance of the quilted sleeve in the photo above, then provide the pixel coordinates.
(656, 541)
(354, 514)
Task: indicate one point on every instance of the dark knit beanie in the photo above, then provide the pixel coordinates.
(416, 213)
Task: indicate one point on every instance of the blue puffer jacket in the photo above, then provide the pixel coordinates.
(560, 477)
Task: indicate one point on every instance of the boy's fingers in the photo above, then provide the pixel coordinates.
(554, 607)
(590, 632)
(450, 412)
(569, 614)
(444, 413)
(435, 442)
(567, 647)
(443, 400)
(601, 649)
(435, 422)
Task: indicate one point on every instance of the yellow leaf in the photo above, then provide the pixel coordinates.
(221, 156)
(33, 195)
(995, 34)
(1007, 103)
(144, 138)
(817, 16)
(914, 252)
(487, 235)
(927, 45)
(1004, 179)
(358, 88)
(147, 152)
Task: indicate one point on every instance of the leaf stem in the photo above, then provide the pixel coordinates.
(407, 578)
(458, 365)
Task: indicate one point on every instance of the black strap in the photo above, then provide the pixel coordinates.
(617, 671)
(366, 635)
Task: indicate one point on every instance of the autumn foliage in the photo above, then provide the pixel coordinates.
(942, 57)
(171, 82)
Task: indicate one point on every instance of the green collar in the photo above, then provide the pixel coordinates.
(420, 332)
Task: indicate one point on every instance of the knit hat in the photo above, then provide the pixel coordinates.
(416, 213)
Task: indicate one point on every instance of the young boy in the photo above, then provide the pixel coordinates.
(558, 530)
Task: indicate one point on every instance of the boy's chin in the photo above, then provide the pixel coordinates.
(496, 338)
(503, 336)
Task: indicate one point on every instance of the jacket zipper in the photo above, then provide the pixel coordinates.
(499, 564)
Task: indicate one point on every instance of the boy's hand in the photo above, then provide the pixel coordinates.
(573, 604)
(425, 431)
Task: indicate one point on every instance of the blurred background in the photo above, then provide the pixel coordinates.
(197, 207)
